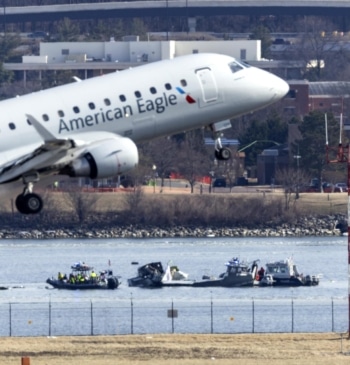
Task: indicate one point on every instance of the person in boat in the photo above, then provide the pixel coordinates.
(93, 276)
(80, 278)
(71, 278)
(60, 276)
(234, 261)
(261, 273)
(103, 276)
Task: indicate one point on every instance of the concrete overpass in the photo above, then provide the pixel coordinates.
(161, 8)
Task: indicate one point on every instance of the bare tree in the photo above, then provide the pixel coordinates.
(133, 201)
(318, 47)
(83, 204)
(291, 179)
(161, 154)
(192, 163)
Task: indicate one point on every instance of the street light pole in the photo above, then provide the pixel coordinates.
(154, 168)
(297, 157)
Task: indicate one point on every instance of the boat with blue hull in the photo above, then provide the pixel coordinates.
(83, 277)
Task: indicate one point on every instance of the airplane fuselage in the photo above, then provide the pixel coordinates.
(161, 98)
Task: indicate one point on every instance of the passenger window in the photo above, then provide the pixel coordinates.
(137, 94)
(107, 102)
(92, 106)
(12, 126)
(122, 98)
(76, 109)
(235, 67)
(183, 82)
(45, 117)
(167, 86)
(60, 113)
(153, 90)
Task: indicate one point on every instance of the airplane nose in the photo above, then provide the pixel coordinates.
(280, 88)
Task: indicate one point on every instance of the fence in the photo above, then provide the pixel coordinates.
(181, 316)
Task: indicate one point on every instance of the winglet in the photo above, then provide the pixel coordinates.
(44, 133)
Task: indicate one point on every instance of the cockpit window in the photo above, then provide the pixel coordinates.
(244, 64)
(235, 66)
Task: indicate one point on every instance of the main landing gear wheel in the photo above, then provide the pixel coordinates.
(29, 203)
(223, 154)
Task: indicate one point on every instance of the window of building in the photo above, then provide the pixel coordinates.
(65, 52)
(289, 110)
(243, 54)
(292, 94)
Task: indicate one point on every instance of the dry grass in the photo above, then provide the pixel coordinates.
(316, 203)
(249, 349)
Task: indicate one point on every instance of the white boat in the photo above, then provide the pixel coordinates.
(175, 277)
(285, 273)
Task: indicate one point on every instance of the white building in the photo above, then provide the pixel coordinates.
(140, 51)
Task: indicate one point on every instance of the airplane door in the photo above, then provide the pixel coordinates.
(208, 85)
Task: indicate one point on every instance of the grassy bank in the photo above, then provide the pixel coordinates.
(177, 207)
(264, 349)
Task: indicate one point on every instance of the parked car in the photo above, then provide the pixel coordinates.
(327, 187)
(38, 34)
(219, 183)
(340, 188)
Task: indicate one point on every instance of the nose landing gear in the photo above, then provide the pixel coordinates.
(221, 153)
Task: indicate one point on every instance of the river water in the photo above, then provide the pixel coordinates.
(28, 263)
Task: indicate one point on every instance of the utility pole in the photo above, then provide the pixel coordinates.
(342, 156)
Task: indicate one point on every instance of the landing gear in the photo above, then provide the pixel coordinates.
(28, 202)
(221, 153)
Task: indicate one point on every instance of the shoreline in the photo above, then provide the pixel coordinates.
(323, 226)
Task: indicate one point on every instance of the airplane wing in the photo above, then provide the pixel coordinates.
(48, 151)
(109, 154)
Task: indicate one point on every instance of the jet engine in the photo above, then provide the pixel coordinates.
(105, 158)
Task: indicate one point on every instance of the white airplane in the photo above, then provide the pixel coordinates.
(89, 128)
